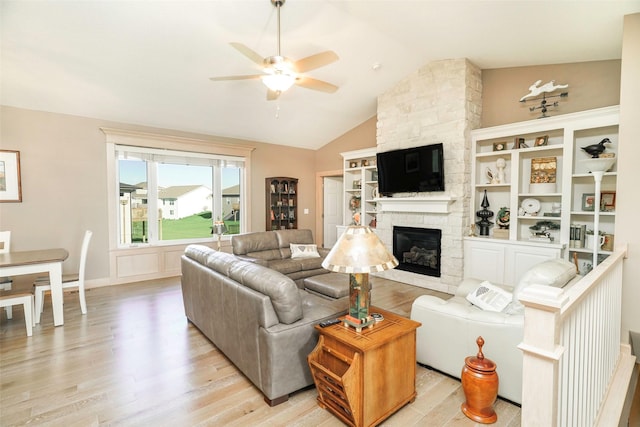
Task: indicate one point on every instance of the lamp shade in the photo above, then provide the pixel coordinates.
(219, 228)
(359, 250)
(279, 81)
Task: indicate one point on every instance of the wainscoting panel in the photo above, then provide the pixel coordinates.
(145, 263)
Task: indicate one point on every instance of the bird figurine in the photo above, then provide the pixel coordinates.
(594, 150)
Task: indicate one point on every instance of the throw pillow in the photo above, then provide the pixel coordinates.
(489, 297)
(304, 251)
(554, 272)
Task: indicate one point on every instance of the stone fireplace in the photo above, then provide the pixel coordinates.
(417, 249)
(441, 102)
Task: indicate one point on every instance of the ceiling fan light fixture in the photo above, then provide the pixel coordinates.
(280, 73)
(278, 81)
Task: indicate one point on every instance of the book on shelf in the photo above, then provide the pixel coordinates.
(582, 232)
(576, 236)
(572, 235)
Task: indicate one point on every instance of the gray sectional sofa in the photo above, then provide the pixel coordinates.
(257, 316)
(273, 249)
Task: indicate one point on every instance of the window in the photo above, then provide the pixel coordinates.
(170, 196)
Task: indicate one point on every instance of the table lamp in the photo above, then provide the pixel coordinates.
(359, 252)
(219, 229)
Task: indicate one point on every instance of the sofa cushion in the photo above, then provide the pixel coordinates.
(263, 245)
(334, 285)
(220, 261)
(554, 272)
(286, 237)
(282, 291)
(285, 266)
(198, 253)
(310, 263)
(299, 250)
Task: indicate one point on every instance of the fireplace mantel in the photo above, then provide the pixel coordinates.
(418, 204)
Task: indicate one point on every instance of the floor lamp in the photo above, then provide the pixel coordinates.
(359, 252)
(597, 167)
(219, 229)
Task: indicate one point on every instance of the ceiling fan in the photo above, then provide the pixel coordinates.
(280, 73)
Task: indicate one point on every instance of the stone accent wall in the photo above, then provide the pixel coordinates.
(441, 102)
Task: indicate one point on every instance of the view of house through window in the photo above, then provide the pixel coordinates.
(169, 196)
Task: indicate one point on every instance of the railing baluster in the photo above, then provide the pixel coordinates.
(575, 359)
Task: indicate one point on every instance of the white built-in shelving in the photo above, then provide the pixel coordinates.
(559, 139)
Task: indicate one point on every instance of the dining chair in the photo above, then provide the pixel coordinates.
(69, 281)
(6, 282)
(10, 298)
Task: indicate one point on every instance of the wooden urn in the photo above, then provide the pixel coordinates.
(480, 385)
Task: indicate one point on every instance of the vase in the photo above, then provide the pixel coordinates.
(484, 214)
(480, 386)
(589, 241)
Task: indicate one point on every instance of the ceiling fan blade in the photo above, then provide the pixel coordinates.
(249, 77)
(252, 55)
(315, 61)
(315, 84)
(272, 95)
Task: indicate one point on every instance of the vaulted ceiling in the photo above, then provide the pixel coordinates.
(149, 62)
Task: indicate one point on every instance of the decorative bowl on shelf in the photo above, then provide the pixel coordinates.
(600, 164)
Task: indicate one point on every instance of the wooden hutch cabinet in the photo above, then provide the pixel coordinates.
(282, 203)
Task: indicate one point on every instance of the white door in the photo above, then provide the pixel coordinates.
(333, 203)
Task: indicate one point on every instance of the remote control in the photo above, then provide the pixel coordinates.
(329, 323)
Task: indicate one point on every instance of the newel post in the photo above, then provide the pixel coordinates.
(541, 354)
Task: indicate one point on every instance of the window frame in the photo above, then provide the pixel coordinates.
(216, 148)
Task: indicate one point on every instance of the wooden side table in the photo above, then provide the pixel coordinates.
(363, 378)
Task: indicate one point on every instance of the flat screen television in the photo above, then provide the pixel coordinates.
(411, 170)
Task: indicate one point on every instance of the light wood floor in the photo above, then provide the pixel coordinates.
(134, 360)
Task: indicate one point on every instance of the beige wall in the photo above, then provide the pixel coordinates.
(64, 182)
(627, 200)
(362, 136)
(591, 85)
(277, 160)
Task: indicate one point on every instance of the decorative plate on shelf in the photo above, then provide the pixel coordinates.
(354, 203)
(374, 192)
(531, 206)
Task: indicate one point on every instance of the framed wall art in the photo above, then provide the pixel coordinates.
(608, 201)
(10, 185)
(541, 140)
(543, 170)
(588, 201)
(499, 146)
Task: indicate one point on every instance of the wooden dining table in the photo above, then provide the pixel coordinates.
(39, 261)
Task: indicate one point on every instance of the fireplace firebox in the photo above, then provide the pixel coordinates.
(418, 249)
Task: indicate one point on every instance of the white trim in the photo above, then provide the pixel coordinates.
(430, 204)
(594, 118)
(356, 154)
(219, 146)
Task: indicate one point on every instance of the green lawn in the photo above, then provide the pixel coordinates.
(192, 227)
